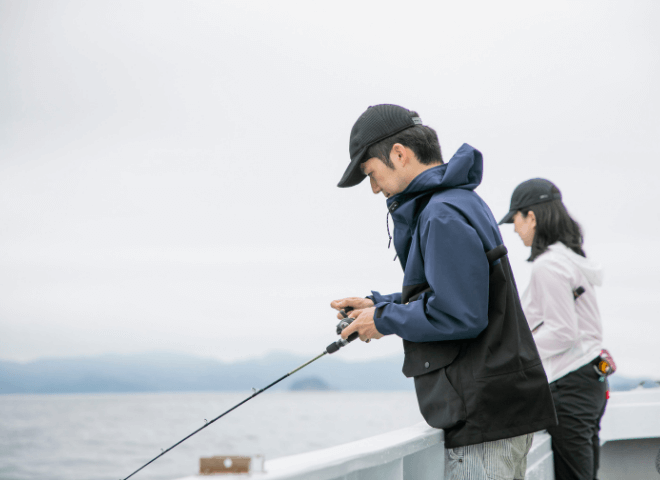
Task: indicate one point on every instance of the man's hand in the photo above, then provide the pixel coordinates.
(363, 324)
(358, 303)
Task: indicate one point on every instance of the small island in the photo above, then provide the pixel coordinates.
(310, 384)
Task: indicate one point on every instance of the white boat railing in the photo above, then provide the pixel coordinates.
(631, 422)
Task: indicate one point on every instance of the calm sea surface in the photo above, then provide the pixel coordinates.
(99, 437)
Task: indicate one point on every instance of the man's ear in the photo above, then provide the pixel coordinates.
(399, 154)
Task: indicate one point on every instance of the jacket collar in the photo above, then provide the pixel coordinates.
(464, 170)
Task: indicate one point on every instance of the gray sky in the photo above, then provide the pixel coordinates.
(168, 169)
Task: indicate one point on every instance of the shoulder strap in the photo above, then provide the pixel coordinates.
(496, 253)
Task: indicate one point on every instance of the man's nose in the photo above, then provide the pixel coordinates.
(374, 186)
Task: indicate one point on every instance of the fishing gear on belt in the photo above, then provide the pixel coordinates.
(606, 365)
(332, 348)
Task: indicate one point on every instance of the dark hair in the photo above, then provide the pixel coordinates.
(422, 140)
(554, 224)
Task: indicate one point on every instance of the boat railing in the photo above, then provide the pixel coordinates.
(631, 424)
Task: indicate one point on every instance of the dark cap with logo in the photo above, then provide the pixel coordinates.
(531, 192)
(374, 125)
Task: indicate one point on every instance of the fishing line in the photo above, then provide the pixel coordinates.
(330, 349)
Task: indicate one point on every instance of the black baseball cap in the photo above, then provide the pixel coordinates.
(377, 123)
(531, 192)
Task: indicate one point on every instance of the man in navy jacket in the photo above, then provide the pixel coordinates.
(477, 372)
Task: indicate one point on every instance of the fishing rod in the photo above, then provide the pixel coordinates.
(330, 349)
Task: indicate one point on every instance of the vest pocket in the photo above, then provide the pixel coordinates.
(424, 357)
(439, 403)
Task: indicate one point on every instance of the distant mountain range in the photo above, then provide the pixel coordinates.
(168, 372)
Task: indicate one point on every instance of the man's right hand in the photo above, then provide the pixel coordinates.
(358, 303)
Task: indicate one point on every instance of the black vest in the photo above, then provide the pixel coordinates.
(487, 388)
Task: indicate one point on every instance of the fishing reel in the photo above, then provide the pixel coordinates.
(345, 322)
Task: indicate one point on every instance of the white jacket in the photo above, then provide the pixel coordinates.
(571, 333)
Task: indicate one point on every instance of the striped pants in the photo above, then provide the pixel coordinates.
(504, 459)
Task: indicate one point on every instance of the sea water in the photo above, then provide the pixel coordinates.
(108, 436)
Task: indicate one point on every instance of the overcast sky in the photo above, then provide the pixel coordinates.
(168, 169)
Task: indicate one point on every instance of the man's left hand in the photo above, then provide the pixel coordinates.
(363, 324)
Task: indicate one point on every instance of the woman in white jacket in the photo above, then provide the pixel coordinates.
(562, 312)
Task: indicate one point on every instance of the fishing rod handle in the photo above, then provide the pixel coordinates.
(334, 346)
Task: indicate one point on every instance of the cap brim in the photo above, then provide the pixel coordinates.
(508, 218)
(353, 174)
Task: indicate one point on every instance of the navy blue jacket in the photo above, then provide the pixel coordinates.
(443, 245)
(466, 341)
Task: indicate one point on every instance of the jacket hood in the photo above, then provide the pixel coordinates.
(591, 269)
(464, 170)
